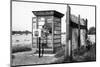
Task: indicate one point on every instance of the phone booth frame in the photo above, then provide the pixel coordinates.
(53, 19)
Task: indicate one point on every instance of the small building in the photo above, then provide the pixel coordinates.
(52, 19)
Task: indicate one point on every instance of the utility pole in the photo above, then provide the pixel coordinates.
(68, 36)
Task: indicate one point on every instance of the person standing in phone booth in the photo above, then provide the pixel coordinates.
(43, 41)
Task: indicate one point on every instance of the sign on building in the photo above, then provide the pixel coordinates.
(37, 32)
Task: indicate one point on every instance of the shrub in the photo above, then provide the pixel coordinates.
(87, 53)
(80, 50)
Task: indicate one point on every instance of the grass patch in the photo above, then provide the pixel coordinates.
(87, 53)
(19, 48)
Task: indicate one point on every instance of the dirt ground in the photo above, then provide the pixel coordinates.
(29, 58)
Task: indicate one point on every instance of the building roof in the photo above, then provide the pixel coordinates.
(75, 20)
(48, 13)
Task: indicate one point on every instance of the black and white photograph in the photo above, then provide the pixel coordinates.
(44, 33)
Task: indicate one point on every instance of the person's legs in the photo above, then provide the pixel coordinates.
(42, 48)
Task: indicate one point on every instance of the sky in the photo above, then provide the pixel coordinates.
(22, 14)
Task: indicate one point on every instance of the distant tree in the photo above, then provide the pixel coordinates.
(26, 32)
(92, 30)
(21, 32)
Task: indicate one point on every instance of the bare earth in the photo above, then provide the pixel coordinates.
(27, 58)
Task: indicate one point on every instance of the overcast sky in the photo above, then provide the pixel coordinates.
(22, 14)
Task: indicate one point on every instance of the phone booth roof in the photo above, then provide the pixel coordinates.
(48, 13)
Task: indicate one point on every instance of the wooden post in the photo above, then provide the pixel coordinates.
(39, 46)
(32, 32)
(33, 22)
(53, 35)
(79, 32)
(37, 28)
(68, 42)
(37, 39)
(86, 28)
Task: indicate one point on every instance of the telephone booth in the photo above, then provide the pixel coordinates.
(51, 19)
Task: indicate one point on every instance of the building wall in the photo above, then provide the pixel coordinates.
(74, 38)
(83, 37)
(57, 33)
